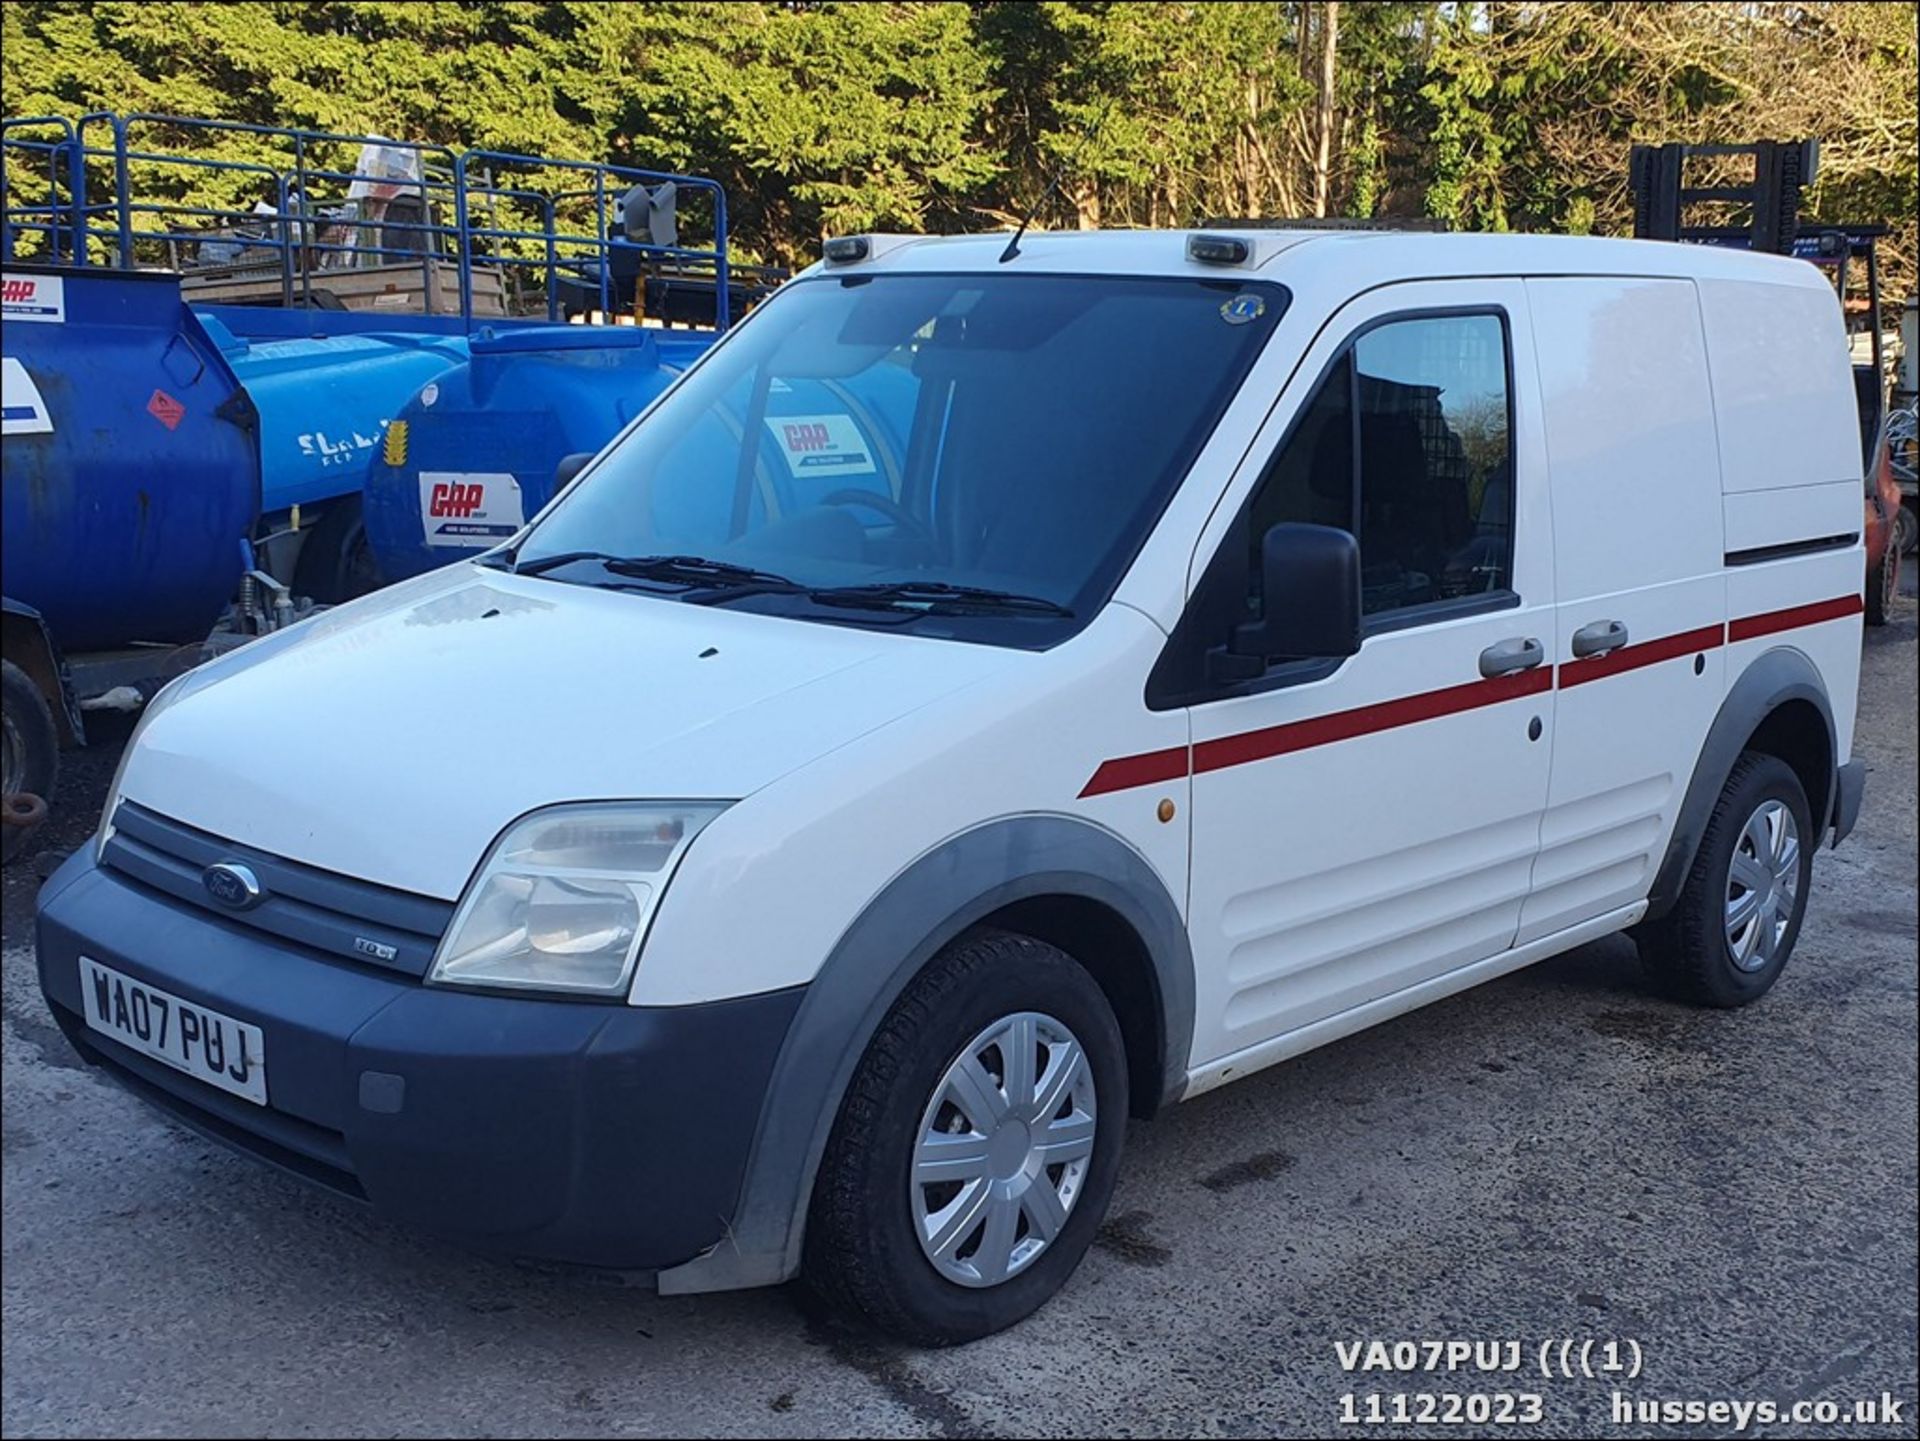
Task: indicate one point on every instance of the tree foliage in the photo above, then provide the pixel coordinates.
(825, 117)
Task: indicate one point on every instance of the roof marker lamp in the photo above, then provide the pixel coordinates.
(845, 249)
(1218, 249)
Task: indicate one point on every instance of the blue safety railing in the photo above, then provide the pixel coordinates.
(624, 178)
(50, 212)
(110, 190)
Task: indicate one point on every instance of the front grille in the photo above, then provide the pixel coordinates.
(353, 919)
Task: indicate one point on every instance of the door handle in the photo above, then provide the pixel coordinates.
(1598, 638)
(1507, 656)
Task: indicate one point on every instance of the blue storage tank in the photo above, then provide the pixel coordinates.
(324, 401)
(473, 453)
(131, 474)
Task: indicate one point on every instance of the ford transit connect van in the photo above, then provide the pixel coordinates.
(984, 700)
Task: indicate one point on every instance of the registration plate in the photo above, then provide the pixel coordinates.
(203, 1043)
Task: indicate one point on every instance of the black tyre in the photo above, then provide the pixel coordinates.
(1729, 937)
(962, 1184)
(1883, 584)
(29, 755)
(336, 563)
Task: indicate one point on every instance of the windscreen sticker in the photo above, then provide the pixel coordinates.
(1242, 308)
(33, 297)
(22, 411)
(822, 444)
(471, 510)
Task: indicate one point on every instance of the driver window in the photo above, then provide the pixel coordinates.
(1406, 444)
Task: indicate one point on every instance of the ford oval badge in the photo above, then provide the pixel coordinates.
(233, 885)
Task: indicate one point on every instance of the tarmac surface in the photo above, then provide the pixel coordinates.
(1556, 1155)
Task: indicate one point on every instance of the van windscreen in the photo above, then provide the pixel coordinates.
(893, 446)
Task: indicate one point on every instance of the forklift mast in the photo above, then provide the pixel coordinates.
(1781, 170)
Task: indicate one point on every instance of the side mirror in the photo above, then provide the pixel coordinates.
(1311, 583)
(569, 467)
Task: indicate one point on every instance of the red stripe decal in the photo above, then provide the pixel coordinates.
(1343, 725)
(1796, 616)
(1141, 770)
(1154, 766)
(1632, 657)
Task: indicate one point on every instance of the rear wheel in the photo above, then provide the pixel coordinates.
(1906, 528)
(29, 757)
(1883, 586)
(1729, 936)
(975, 1153)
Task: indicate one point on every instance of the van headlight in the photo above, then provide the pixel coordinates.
(563, 899)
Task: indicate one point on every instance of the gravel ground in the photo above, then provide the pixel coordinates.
(1556, 1154)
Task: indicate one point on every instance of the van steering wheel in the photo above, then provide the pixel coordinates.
(916, 529)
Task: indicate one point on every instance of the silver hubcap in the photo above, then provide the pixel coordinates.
(1004, 1148)
(1761, 886)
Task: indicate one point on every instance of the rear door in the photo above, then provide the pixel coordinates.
(1362, 827)
(1639, 542)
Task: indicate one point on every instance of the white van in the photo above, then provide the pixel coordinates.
(984, 700)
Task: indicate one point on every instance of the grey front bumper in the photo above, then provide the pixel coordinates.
(600, 1135)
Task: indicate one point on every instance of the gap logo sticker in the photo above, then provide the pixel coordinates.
(22, 410)
(821, 444)
(469, 509)
(33, 297)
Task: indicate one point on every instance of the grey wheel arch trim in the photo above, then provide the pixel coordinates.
(1770, 681)
(934, 899)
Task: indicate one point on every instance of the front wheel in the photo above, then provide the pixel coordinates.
(975, 1153)
(1730, 933)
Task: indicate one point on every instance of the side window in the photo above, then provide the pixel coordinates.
(1406, 443)
(1436, 484)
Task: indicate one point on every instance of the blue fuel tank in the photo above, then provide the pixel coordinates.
(131, 468)
(324, 400)
(473, 453)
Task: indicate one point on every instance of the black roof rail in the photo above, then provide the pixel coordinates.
(1418, 223)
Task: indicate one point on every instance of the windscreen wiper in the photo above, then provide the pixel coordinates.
(539, 565)
(700, 571)
(691, 571)
(937, 597)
